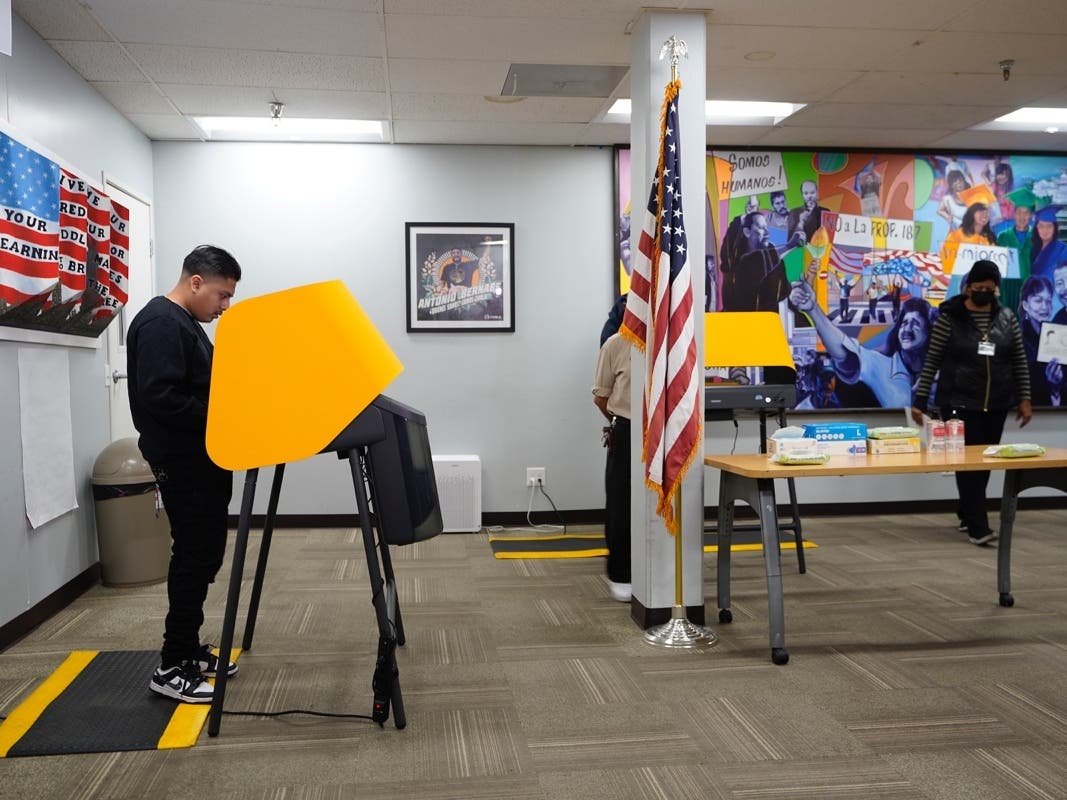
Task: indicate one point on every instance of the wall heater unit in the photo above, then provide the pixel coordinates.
(459, 491)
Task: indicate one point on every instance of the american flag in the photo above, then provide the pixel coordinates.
(659, 322)
(29, 223)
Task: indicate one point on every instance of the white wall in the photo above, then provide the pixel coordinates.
(46, 103)
(295, 214)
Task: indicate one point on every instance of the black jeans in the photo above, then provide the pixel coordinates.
(979, 427)
(196, 494)
(617, 506)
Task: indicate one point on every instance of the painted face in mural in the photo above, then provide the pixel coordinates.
(913, 331)
(1038, 306)
(1060, 280)
(810, 192)
(1022, 218)
(981, 218)
(756, 234)
(1046, 230)
(778, 203)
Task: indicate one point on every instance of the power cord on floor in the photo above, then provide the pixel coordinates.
(562, 526)
(298, 711)
(544, 528)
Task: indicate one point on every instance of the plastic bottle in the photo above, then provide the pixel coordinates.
(954, 434)
(937, 435)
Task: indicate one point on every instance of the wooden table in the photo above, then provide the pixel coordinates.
(750, 478)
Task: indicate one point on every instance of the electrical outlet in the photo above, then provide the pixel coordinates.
(535, 475)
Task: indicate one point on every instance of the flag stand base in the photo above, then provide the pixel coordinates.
(680, 633)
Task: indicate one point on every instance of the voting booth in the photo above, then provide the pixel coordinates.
(281, 393)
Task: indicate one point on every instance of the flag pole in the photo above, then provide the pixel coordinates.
(678, 632)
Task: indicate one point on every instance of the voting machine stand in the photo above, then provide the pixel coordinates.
(380, 444)
(747, 338)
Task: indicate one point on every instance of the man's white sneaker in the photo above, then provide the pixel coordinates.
(621, 591)
(184, 683)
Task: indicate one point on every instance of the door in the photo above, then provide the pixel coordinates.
(142, 288)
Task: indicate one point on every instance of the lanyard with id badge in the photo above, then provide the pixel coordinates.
(986, 348)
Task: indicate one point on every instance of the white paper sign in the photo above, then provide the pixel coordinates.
(1006, 258)
(1053, 343)
(753, 173)
(47, 433)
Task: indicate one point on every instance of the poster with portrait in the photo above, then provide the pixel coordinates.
(856, 250)
(460, 277)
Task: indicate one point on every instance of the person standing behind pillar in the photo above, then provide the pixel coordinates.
(977, 346)
(169, 365)
(611, 394)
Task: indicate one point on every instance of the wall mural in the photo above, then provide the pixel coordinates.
(856, 250)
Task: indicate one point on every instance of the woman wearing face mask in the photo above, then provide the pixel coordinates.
(977, 346)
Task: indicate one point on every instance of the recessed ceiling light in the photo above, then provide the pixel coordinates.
(760, 55)
(290, 129)
(504, 99)
(1036, 116)
(723, 112)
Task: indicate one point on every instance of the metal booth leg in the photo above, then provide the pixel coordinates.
(264, 551)
(386, 682)
(240, 546)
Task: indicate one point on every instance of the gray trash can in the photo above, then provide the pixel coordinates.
(134, 536)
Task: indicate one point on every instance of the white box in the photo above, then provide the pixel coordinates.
(907, 444)
(459, 492)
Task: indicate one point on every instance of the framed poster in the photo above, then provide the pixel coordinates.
(460, 276)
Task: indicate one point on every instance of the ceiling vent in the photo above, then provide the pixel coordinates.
(561, 80)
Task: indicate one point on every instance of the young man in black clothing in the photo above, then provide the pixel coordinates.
(169, 366)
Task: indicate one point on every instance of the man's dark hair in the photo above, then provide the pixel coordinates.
(209, 261)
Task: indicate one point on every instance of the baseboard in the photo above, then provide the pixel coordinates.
(595, 516)
(62, 597)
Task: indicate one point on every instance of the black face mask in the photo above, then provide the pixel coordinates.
(982, 297)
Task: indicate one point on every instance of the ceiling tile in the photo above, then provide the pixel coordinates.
(942, 88)
(59, 19)
(547, 41)
(849, 49)
(134, 98)
(244, 26)
(886, 115)
(214, 67)
(782, 84)
(460, 108)
(1018, 16)
(99, 61)
(252, 101)
(447, 76)
(1034, 54)
(899, 15)
(163, 126)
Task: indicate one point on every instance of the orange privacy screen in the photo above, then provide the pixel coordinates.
(291, 370)
(745, 339)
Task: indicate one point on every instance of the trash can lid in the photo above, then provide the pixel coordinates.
(121, 463)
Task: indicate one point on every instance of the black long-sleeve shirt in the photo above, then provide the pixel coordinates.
(169, 366)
